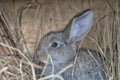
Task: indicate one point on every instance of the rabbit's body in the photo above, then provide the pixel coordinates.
(87, 67)
(61, 47)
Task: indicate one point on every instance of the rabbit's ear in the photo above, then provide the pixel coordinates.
(80, 26)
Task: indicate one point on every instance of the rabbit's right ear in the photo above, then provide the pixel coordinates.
(80, 26)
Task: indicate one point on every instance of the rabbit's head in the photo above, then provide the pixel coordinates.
(61, 45)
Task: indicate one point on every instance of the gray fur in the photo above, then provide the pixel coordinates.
(87, 67)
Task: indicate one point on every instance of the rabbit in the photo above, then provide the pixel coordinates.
(61, 46)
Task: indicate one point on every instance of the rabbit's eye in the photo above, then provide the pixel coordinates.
(54, 44)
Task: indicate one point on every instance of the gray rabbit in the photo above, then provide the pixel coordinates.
(61, 46)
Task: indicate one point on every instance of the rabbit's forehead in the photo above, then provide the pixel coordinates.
(53, 36)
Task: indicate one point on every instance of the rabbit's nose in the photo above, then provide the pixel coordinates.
(42, 56)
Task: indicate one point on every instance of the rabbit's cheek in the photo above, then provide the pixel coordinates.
(57, 56)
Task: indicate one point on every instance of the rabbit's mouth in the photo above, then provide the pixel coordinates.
(43, 57)
(44, 60)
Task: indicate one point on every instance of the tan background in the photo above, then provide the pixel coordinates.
(45, 15)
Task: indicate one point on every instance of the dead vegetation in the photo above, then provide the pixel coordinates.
(22, 26)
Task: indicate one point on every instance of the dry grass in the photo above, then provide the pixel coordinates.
(16, 61)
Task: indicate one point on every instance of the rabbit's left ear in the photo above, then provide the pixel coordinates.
(80, 26)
